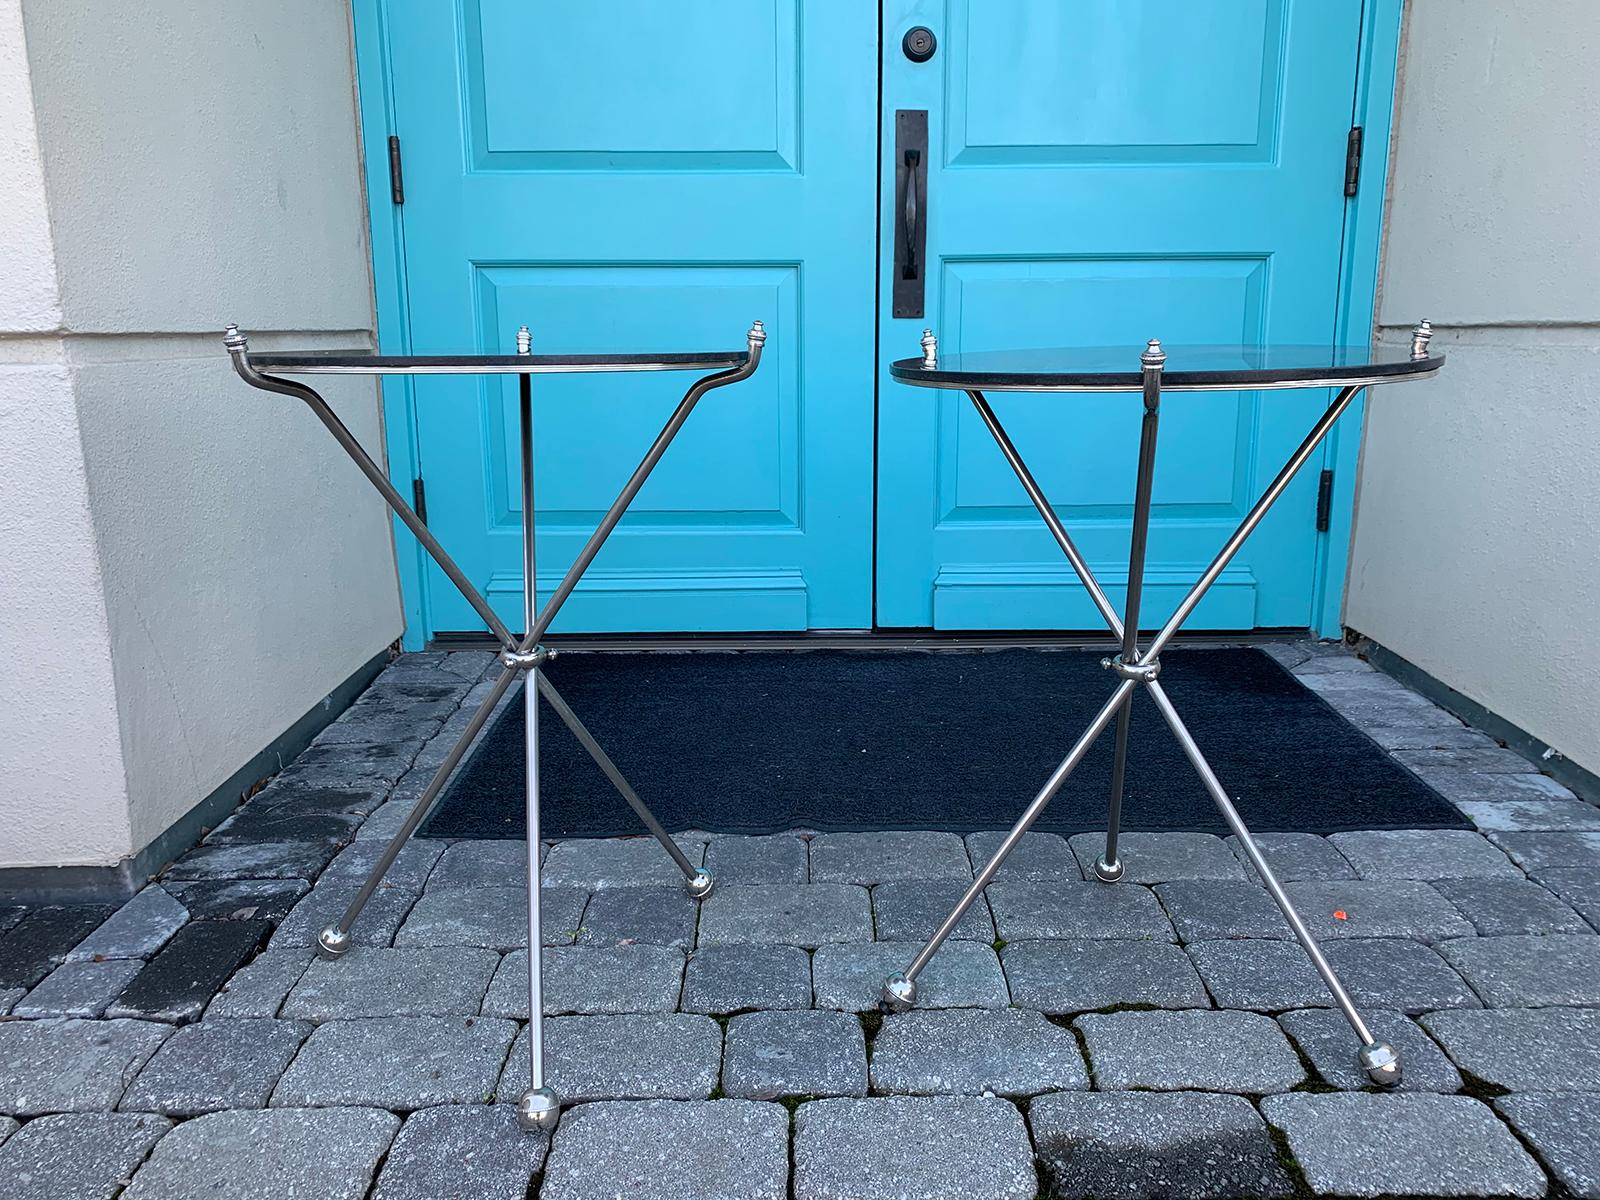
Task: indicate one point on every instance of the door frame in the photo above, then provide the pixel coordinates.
(1372, 109)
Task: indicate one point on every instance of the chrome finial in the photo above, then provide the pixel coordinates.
(234, 340)
(930, 349)
(757, 334)
(1420, 337)
(538, 1111)
(524, 341)
(899, 994)
(1154, 355)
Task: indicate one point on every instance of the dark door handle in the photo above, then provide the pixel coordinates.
(910, 219)
(909, 214)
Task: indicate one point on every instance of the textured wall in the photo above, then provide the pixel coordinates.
(1477, 544)
(200, 165)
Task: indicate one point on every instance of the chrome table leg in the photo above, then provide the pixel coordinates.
(1108, 867)
(1378, 1059)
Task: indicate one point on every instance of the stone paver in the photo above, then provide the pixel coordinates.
(789, 914)
(271, 1154)
(1537, 853)
(409, 871)
(374, 982)
(585, 979)
(1295, 856)
(493, 917)
(908, 909)
(71, 1066)
(1459, 785)
(214, 1065)
(178, 983)
(78, 989)
(326, 903)
(646, 1056)
(1561, 1131)
(595, 863)
(779, 858)
(1529, 971)
(911, 1148)
(961, 975)
(1376, 908)
(1328, 1041)
(1024, 909)
(728, 979)
(1362, 1144)
(1523, 1049)
(1085, 974)
(253, 860)
(397, 1063)
(258, 988)
(814, 1053)
(1499, 907)
(662, 1150)
(1173, 1051)
(1424, 854)
(1133, 1145)
(665, 916)
(1271, 976)
(479, 863)
(8, 1126)
(1159, 857)
(1206, 909)
(1043, 857)
(972, 1052)
(38, 942)
(1577, 886)
(868, 858)
(85, 1156)
(1507, 816)
(136, 930)
(474, 1150)
(238, 899)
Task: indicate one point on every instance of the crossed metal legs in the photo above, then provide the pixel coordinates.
(539, 1107)
(1138, 669)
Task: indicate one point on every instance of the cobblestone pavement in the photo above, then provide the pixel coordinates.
(1162, 1037)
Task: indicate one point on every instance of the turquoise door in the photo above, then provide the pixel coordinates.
(645, 176)
(1102, 173)
(639, 175)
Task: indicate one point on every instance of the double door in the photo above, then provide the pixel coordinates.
(640, 176)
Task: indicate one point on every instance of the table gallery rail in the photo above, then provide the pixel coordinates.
(539, 1107)
(1198, 368)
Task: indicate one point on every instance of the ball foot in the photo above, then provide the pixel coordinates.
(1107, 872)
(699, 884)
(898, 995)
(538, 1110)
(332, 942)
(1381, 1063)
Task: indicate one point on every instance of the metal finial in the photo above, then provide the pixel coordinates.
(524, 341)
(1420, 336)
(233, 339)
(930, 349)
(1154, 355)
(757, 334)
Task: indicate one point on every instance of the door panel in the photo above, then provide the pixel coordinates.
(638, 176)
(1100, 174)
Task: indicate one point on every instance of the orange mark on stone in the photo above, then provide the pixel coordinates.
(1339, 915)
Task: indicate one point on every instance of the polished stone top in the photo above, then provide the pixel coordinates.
(366, 362)
(1187, 368)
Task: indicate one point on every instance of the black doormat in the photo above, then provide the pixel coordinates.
(760, 742)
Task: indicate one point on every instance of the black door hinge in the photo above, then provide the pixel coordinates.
(1352, 161)
(419, 499)
(397, 186)
(1324, 501)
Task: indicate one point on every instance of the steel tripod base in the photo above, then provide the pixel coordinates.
(699, 884)
(1107, 872)
(899, 994)
(332, 943)
(1381, 1062)
(538, 1110)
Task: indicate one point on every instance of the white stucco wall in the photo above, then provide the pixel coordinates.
(199, 165)
(1477, 544)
